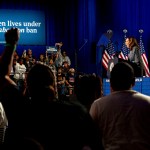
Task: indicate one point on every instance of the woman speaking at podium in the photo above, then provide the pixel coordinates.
(134, 56)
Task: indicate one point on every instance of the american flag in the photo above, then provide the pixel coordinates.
(144, 58)
(108, 53)
(124, 50)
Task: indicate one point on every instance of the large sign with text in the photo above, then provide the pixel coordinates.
(31, 25)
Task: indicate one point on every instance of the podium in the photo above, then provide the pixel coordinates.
(137, 69)
(111, 64)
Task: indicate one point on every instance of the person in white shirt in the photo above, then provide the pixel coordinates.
(123, 117)
(3, 123)
(65, 58)
(20, 74)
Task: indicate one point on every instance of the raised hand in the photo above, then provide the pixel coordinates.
(12, 36)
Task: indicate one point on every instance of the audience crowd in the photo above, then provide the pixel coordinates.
(59, 62)
(46, 105)
(34, 113)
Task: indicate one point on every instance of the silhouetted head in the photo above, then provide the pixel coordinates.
(40, 82)
(88, 88)
(122, 77)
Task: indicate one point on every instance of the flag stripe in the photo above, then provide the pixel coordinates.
(121, 55)
(144, 58)
(124, 50)
(108, 54)
(145, 62)
(105, 59)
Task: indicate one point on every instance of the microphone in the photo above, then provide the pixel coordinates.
(85, 41)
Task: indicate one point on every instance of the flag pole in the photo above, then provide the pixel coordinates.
(143, 55)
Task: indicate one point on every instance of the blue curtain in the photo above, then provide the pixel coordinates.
(79, 24)
(131, 15)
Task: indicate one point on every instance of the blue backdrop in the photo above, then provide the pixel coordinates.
(83, 22)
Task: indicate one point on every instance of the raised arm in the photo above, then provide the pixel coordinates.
(11, 37)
